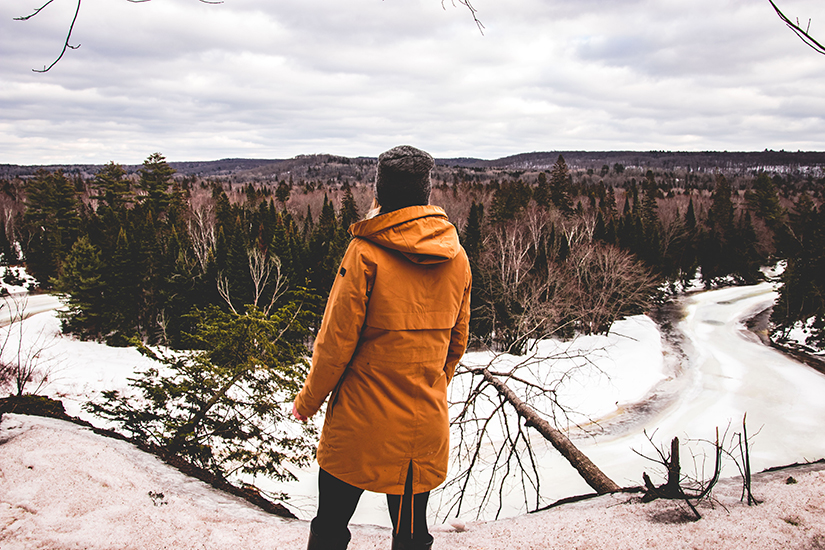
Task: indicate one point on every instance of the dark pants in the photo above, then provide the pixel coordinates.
(337, 501)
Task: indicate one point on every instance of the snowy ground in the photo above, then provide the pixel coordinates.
(646, 385)
(64, 487)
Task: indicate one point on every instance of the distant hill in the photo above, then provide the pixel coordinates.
(321, 165)
(668, 160)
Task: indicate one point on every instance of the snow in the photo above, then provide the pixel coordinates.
(62, 486)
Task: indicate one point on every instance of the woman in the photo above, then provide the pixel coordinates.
(394, 329)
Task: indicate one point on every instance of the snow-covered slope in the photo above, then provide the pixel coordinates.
(64, 487)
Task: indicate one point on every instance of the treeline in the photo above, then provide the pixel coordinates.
(134, 258)
(558, 254)
(553, 252)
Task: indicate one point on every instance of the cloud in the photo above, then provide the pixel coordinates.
(252, 79)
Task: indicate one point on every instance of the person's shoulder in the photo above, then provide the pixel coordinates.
(364, 249)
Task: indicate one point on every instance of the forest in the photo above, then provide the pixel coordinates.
(236, 270)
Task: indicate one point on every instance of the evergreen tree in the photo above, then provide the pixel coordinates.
(326, 248)
(717, 250)
(649, 204)
(690, 216)
(542, 192)
(349, 210)
(746, 257)
(802, 294)
(81, 282)
(560, 192)
(720, 215)
(52, 224)
(113, 188)
(223, 408)
(283, 192)
(8, 255)
(471, 237)
(155, 179)
(600, 231)
(609, 205)
(123, 293)
(763, 198)
(509, 200)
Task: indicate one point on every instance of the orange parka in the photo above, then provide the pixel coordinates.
(394, 329)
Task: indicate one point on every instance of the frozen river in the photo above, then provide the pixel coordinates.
(725, 373)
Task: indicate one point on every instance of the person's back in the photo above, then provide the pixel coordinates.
(395, 326)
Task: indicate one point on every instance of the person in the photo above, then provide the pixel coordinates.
(393, 331)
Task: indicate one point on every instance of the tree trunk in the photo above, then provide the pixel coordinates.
(591, 474)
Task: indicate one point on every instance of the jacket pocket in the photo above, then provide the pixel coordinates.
(336, 392)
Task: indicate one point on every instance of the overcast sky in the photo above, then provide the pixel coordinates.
(278, 78)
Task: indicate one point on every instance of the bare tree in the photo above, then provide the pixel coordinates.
(605, 283)
(261, 267)
(796, 27)
(201, 225)
(263, 270)
(22, 365)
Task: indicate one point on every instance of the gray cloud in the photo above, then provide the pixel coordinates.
(277, 79)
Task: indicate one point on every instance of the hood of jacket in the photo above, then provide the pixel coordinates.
(422, 233)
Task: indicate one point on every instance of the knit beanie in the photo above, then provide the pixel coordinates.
(403, 178)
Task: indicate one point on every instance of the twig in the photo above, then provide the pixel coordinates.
(803, 34)
(469, 6)
(67, 45)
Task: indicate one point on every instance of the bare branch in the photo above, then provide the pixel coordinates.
(68, 46)
(803, 34)
(36, 11)
(589, 472)
(223, 290)
(473, 12)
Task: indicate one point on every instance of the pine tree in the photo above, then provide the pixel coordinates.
(690, 216)
(326, 248)
(560, 192)
(349, 210)
(763, 198)
(81, 282)
(542, 192)
(123, 291)
(802, 294)
(471, 238)
(282, 193)
(113, 188)
(649, 204)
(720, 215)
(51, 222)
(223, 407)
(155, 179)
(746, 257)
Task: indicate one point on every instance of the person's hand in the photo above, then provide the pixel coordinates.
(298, 415)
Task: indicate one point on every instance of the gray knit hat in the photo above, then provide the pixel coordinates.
(403, 178)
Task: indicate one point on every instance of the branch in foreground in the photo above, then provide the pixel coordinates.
(803, 34)
(473, 12)
(591, 474)
(67, 45)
